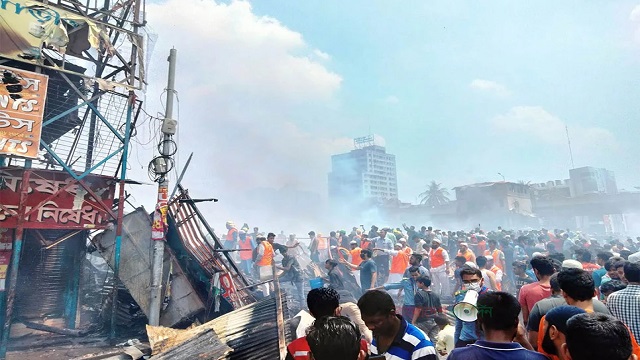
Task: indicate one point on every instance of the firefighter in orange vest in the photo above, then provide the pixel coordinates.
(231, 239)
(246, 246)
(495, 253)
(399, 263)
(323, 248)
(264, 261)
(355, 258)
(439, 263)
(355, 253)
(497, 271)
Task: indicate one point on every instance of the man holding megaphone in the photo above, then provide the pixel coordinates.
(465, 310)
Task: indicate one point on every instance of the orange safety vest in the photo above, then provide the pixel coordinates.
(496, 257)
(245, 245)
(467, 255)
(355, 256)
(495, 270)
(230, 234)
(322, 243)
(436, 258)
(267, 258)
(399, 263)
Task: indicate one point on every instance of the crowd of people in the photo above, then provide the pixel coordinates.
(542, 294)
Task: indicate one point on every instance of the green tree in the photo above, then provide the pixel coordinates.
(434, 195)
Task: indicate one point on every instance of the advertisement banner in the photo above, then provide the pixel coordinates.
(65, 208)
(22, 98)
(28, 26)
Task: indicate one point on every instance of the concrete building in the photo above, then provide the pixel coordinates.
(591, 180)
(367, 172)
(589, 200)
(495, 204)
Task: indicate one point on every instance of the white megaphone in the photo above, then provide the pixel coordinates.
(466, 309)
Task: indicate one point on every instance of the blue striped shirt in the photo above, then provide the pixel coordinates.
(410, 344)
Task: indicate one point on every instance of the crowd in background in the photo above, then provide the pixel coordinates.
(548, 286)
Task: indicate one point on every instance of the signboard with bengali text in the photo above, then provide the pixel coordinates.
(22, 98)
(71, 208)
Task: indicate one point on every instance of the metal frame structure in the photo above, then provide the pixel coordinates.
(100, 131)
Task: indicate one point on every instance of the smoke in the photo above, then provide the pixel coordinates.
(251, 93)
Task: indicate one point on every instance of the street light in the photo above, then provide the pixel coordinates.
(503, 179)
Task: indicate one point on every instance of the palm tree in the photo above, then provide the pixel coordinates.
(434, 195)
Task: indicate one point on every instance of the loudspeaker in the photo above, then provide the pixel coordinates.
(466, 309)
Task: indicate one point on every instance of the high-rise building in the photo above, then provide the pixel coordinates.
(366, 172)
(591, 180)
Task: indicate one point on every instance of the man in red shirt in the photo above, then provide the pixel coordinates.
(530, 294)
(584, 256)
(321, 302)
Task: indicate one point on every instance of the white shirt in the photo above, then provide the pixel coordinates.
(351, 311)
(444, 342)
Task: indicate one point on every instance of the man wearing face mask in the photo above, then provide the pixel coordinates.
(467, 333)
(439, 261)
(504, 338)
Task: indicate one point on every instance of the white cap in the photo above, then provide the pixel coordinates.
(571, 264)
(471, 264)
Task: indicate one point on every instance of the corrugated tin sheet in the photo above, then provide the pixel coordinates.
(205, 345)
(251, 331)
(201, 245)
(44, 276)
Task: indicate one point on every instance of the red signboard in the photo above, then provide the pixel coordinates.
(229, 290)
(68, 204)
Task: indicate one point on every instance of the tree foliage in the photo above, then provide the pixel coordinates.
(434, 195)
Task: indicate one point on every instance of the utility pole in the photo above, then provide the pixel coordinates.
(162, 168)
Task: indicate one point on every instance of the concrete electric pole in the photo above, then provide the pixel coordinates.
(162, 167)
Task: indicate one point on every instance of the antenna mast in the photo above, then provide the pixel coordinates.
(566, 127)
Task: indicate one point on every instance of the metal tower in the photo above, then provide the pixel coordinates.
(90, 55)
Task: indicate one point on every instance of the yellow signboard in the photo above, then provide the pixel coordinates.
(22, 98)
(28, 26)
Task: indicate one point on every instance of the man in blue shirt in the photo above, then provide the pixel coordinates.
(409, 286)
(498, 316)
(368, 270)
(601, 259)
(467, 332)
(393, 336)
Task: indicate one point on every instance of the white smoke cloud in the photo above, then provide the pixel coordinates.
(249, 90)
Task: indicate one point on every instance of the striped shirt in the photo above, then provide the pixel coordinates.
(410, 344)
